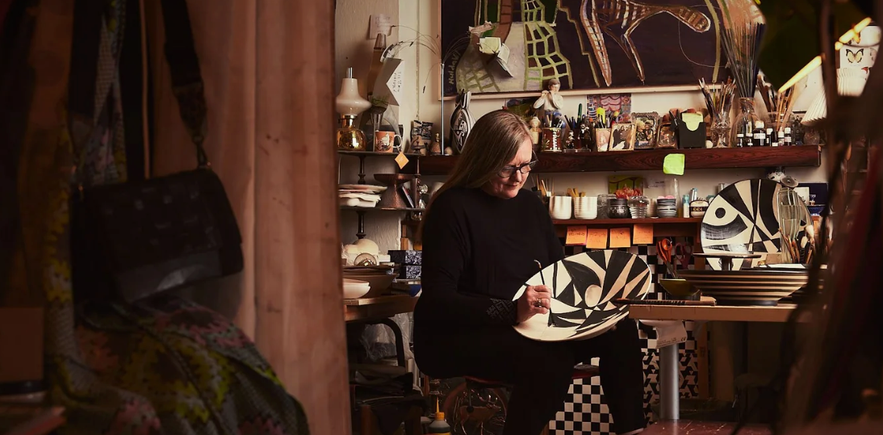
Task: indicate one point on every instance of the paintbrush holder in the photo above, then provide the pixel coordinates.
(745, 120)
(551, 141)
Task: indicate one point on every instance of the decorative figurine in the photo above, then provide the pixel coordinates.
(551, 102)
(535, 131)
(461, 121)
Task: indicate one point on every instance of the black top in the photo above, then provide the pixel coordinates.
(478, 250)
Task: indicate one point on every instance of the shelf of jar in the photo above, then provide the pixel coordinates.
(374, 153)
(649, 160)
(654, 221)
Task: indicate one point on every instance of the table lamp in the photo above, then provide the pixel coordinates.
(349, 105)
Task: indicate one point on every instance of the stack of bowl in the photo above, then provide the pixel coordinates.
(379, 278)
(667, 207)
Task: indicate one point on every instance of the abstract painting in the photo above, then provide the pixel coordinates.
(583, 288)
(500, 46)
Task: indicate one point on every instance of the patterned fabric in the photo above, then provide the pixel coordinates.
(502, 311)
(164, 366)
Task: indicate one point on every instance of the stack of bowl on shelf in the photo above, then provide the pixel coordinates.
(666, 207)
(359, 195)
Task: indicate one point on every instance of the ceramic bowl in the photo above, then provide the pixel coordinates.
(354, 288)
(379, 284)
(678, 288)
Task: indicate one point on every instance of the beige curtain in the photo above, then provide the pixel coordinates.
(268, 68)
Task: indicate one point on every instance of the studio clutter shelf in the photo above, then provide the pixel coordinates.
(651, 160)
(621, 222)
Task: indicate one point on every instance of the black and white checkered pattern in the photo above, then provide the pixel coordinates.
(585, 411)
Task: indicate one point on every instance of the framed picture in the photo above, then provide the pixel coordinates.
(602, 139)
(646, 126)
(665, 137)
(622, 137)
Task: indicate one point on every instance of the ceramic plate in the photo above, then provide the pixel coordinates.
(363, 187)
(583, 287)
(744, 217)
(746, 287)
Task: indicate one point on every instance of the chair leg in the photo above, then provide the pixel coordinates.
(367, 427)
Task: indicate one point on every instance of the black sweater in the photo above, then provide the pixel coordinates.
(478, 250)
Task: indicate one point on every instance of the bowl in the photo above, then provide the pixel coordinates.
(748, 286)
(678, 288)
(354, 289)
(379, 284)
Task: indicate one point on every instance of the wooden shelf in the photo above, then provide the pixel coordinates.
(650, 160)
(373, 153)
(345, 207)
(653, 221)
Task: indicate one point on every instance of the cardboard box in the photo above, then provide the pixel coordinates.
(21, 344)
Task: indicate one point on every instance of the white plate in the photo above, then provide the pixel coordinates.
(363, 187)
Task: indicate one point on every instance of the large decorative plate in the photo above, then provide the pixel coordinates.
(583, 288)
(744, 217)
(747, 287)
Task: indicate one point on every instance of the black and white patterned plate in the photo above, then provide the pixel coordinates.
(583, 288)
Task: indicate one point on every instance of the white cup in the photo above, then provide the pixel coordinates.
(585, 207)
(560, 207)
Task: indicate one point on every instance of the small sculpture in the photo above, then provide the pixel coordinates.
(461, 121)
(551, 102)
(535, 131)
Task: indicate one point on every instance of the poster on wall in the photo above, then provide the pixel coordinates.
(509, 46)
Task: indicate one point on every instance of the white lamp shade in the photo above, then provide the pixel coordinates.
(349, 102)
(850, 82)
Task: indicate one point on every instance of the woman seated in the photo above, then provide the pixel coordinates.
(483, 238)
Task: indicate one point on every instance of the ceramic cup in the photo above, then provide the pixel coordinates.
(585, 207)
(560, 207)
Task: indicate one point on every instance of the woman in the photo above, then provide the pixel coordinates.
(482, 238)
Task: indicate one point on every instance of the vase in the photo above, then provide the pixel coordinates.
(745, 121)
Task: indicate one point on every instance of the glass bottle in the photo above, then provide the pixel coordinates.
(746, 119)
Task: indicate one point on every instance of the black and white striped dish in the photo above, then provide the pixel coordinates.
(746, 287)
(583, 288)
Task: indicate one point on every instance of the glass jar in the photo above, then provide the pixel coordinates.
(638, 206)
(793, 221)
(720, 133)
(745, 120)
(603, 205)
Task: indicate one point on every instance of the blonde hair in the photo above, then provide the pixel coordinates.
(493, 142)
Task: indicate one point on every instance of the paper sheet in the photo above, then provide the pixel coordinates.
(576, 236)
(596, 238)
(642, 234)
(620, 237)
(673, 164)
(380, 23)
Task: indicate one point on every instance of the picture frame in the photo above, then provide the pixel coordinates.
(622, 137)
(646, 129)
(602, 139)
(665, 137)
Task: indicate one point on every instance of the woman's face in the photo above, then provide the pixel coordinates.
(508, 187)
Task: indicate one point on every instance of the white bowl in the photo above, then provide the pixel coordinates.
(354, 289)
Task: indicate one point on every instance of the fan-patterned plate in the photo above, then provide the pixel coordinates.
(583, 288)
(744, 217)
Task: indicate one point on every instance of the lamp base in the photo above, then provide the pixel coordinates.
(349, 137)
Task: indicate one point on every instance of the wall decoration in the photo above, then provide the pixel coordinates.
(586, 44)
(611, 103)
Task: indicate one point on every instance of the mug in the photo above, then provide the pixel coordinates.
(585, 207)
(560, 207)
(384, 141)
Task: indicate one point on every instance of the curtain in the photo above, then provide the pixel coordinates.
(268, 68)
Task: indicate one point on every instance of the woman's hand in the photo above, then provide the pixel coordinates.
(535, 300)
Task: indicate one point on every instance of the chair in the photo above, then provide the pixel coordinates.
(492, 406)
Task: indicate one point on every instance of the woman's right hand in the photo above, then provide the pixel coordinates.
(535, 300)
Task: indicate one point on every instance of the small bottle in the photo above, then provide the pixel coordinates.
(685, 204)
(770, 137)
(780, 139)
(787, 137)
(740, 140)
(439, 425)
(759, 135)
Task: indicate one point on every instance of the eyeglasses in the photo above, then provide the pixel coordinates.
(509, 170)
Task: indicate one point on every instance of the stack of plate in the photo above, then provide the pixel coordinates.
(746, 287)
(354, 289)
(379, 278)
(359, 195)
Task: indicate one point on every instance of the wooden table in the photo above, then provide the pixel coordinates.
(669, 394)
(379, 310)
(381, 307)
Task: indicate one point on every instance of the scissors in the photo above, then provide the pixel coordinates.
(671, 252)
